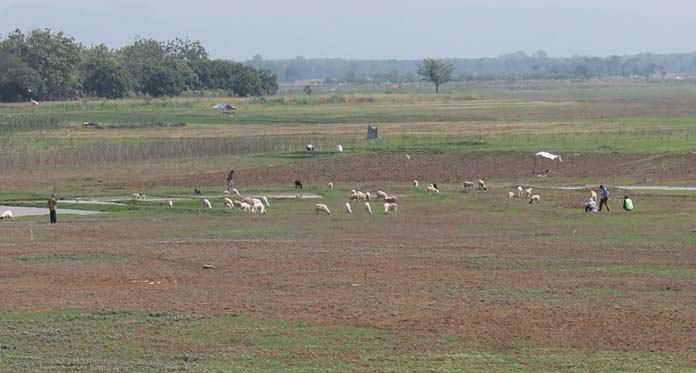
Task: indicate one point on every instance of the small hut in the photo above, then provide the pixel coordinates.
(546, 155)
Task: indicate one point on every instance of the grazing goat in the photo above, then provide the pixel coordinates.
(320, 207)
(593, 195)
(258, 206)
(309, 147)
(368, 208)
(196, 191)
(381, 194)
(348, 209)
(358, 196)
(520, 191)
(391, 199)
(298, 184)
(534, 198)
(511, 194)
(408, 157)
(170, 203)
(265, 201)
(528, 192)
(228, 203)
(468, 185)
(7, 215)
(415, 183)
(432, 189)
(244, 206)
(236, 192)
(207, 204)
(482, 184)
(390, 207)
(331, 186)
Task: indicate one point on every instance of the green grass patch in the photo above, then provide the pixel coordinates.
(68, 257)
(643, 270)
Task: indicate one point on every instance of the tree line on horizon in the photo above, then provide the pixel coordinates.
(44, 65)
(513, 66)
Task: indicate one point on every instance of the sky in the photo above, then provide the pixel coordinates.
(371, 29)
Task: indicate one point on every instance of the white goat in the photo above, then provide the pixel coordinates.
(320, 207)
(7, 215)
(265, 201)
(390, 207)
(170, 203)
(368, 208)
(520, 191)
(528, 192)
(207, 204)
(511, 195)
(244, 206)
(415, 183)
(535, 198)
(431, 189)
(258, 206)
(482, 184)
(331, 186)
(381, 194)
(408, 157)
(593, 195)
(348, 209)
(358, 196)
(468, 185)
(236, 192)
(228, 203)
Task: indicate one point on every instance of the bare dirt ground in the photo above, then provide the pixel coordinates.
(451, 168)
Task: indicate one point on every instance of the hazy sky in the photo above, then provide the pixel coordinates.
(360, 29)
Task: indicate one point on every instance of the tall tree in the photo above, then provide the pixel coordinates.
(54, 56)
(104, 75)
(18, 81)
(436, 71)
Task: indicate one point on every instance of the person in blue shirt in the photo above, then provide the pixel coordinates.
(604, 198)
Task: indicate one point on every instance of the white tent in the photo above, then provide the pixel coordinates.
(546, 155)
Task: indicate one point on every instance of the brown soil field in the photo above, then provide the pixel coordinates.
(454, 168)
(423, 272)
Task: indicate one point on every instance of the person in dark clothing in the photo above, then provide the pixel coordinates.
(604, 199)
(230, 181)
(52, 203)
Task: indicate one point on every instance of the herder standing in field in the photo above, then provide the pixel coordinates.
(604, 199)
(230, 181)
(628, 204)
(52, 203)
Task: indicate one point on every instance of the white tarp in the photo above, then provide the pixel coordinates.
(550, 156)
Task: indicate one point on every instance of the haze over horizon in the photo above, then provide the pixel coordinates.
(388, 29)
